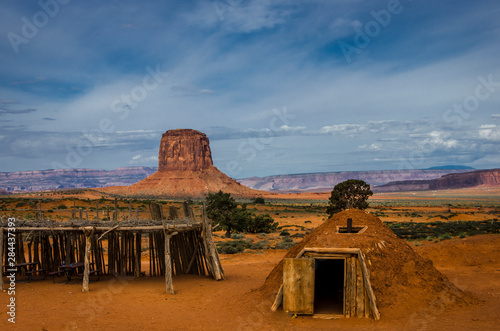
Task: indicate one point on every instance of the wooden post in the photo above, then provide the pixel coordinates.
(278, 300)
(1, 259)
(86, 269)
(168, 263)
(213, 257)
(97, 210)
(136, 213)
(40, 209)
(80, 213)
(368, 286)
(130, 210)
(138, 249)
(115, 216)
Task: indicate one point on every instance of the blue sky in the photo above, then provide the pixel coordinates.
(278, 86)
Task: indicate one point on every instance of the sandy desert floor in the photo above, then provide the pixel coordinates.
(200, 303)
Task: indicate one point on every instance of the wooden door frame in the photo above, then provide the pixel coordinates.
(339, 253)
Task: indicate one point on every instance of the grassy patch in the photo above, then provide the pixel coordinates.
(430, 230)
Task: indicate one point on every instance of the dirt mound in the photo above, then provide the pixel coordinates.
(399, 276)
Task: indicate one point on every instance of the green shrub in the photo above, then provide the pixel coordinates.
(237, 236)
(262, 224)
(284, 245)
(445, 236)
(259, 201)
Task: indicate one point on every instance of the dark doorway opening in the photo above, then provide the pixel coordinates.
(329, 286)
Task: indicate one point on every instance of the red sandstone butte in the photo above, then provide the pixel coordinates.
(185, 169)
(184, 149)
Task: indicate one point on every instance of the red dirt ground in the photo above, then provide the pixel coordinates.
(472, 263)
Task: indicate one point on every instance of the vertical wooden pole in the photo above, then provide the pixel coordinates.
(130, 210)
(86, 269)
(213, 257)
(107, 208)
(97, 210)
(168, 264)
(1, 259)
(137, 269)
(80, 213)
(40, 209)
(115, 216)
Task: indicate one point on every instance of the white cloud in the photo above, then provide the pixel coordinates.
(287, 128)
(489, 132)
(139, 159)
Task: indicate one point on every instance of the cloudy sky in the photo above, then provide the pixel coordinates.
(278, 86)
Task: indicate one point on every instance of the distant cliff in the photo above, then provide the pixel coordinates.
(450, 181)
(381, 181)
(327, 180)
(71, 178)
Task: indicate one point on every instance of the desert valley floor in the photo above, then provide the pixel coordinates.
(470, 262)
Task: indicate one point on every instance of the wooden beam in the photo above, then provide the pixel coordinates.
(86, 270)
(368, 286)
(332, 250)
(193, 258)
(278, 300)
(102, 235)
(168, 264)
(171, 227)
(138, 251)
(1, 259)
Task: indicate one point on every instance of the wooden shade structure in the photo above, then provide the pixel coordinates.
(176, 246)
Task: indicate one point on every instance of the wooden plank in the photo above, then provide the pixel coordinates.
(171, 227)
(348, 289)
(344, 294)
(86, 269)
(278, 300)
(367, 302)
(326, 255)
(298, 286)
(332, 250)
(138, 252)
(360, 299)
(1, 259)
(368, 286)
(168, 265)
(353, 287)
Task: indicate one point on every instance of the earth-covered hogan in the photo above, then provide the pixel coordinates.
(363, 272)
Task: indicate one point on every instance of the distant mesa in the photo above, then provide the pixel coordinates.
(185, 169)
(490, 177)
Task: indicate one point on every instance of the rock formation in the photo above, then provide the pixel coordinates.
(184, 149)
(185, 169)
(29, 181)
(469, 179)
(446, 182)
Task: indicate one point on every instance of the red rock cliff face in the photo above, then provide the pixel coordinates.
(184, 149)
(469, 179)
